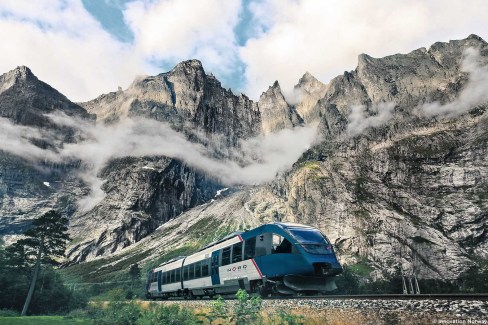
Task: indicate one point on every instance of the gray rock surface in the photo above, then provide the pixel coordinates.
(187, 98)
(276, 113)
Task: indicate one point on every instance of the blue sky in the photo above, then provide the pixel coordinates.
(88, 47)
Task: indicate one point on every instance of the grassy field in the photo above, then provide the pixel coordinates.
(43, 320)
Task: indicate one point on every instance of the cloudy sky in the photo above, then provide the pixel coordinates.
(88, 47)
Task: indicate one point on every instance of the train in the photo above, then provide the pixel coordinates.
(272, 259)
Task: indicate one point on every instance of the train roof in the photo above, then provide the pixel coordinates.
(229, 236)
(284, 225)
(172, 260)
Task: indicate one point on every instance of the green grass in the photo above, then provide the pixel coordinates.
(43, 320)
(361, 268)
(311, 164)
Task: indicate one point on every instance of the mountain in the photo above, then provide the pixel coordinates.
(308, 91)
(393, 187)
(29, 186)
(408, 195)
(24, 99)
(276, 113)
(181, 96)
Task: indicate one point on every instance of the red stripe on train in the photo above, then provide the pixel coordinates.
(257, 268)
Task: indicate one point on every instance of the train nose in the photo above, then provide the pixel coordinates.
(324, 268)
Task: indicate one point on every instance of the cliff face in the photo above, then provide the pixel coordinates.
(276, 113)
(141, 194)
(407, 195)
(187, 98)
(410, 193)
(29, 186)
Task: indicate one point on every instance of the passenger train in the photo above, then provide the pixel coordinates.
(275, 258)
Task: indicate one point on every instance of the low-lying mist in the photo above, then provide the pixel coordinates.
(257, 159)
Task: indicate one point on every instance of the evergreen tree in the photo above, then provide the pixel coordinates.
(45, 241)
(135, 273)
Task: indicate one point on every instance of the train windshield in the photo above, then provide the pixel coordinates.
(312, 241)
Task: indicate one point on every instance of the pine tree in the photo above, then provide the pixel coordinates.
(135, 273)
(45, 241)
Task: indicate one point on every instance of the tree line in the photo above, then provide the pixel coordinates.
(28, 281)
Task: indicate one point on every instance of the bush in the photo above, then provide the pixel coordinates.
(118, 313)
(287, 318)
(218, 310)
(246, 310)
(168, 315)
(77, 314)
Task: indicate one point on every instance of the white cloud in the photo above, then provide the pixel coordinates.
(17, 140)
(176, 30)
(65, 47)
(475, 92)
(359, 120)
(261, 158)
(325, 37)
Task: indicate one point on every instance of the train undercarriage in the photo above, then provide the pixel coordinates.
(288, 285)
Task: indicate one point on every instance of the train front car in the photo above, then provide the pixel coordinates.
(293, 258)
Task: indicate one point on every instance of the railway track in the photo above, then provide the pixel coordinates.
(481, 297)
(462, 296)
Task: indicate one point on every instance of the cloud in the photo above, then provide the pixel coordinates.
(474, 93)
(17, 140)
(176, 30)
(360, 121)
(279, 40)
(66, 47)
(261, 158)
(325, 37)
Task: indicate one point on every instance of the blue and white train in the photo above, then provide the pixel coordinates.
(275, 258)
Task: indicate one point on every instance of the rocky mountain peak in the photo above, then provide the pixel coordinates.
(188, 67)
(17, 75)
(309, 90)
(274, 90)
(276, 113)
(476, 37)
(25, 99)
(307, 78)
(22, 72)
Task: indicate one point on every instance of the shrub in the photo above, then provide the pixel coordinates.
(119, 313)
(218, 310)
(246, 310)
(286, 318)
(168, 315)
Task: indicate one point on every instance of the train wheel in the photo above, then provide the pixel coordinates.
(263, 292)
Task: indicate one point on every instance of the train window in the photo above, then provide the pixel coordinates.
(198, 270)
(178, 275)
(237, 252)
(185, 273)
(249, 248)
(172, 276)
(154, 277)
(167, 277)
(264, 244)
(191, 274)
(205, 268)
(226, 256)
(281, 245)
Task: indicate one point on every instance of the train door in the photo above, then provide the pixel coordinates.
(159, 281)
(214, 266)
